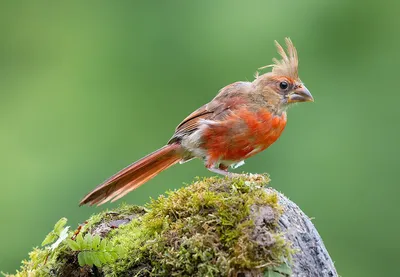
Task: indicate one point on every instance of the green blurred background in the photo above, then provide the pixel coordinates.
(87, 88)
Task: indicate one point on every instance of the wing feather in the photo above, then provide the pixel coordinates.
(228, 98)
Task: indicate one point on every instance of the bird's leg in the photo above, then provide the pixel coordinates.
(219, 171)
(222, 170)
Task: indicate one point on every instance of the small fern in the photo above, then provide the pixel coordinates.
(93, 250)
(55, 234)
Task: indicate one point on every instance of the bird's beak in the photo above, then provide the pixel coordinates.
(300, 94)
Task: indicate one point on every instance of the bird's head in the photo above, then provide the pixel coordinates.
(282, 86)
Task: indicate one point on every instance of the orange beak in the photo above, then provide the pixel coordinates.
(300, 94)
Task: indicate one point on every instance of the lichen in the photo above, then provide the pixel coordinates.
(213, 227)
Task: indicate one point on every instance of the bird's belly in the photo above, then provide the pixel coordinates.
(242, 135)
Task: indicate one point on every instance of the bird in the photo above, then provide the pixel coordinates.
(243, 119)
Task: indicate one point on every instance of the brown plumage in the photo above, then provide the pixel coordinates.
(244, 119)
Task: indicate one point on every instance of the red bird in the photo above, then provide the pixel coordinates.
(244, 119)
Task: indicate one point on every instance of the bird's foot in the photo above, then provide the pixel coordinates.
(223, 172)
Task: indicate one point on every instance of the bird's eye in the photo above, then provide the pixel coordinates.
(283, 85)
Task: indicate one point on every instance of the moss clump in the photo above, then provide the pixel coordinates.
(213, 227)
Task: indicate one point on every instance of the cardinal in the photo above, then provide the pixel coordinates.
(244, 119)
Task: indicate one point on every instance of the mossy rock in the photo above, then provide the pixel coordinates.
(213, 227)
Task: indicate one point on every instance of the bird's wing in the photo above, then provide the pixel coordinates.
(192, 122)
(227, 99)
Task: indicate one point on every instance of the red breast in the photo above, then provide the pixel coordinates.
(242, 134)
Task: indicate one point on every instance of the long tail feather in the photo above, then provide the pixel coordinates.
(134, 175)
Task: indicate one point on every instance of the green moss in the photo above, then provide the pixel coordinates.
(209, 228)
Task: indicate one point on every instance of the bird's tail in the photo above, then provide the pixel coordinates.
(134, 175)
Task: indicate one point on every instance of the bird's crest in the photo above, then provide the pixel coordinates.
(288, 65)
